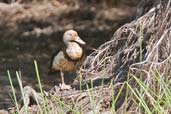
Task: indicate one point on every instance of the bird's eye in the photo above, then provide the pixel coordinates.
(70, 34)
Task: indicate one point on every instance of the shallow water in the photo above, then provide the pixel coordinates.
(19, 54)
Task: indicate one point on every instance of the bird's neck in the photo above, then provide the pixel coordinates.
(72, 44)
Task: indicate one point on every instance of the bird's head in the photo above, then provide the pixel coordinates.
(72, 36)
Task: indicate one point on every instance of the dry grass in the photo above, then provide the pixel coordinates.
(136, 66)
(141, 48)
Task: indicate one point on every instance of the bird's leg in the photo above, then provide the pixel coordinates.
(63, 86)
(62, 77)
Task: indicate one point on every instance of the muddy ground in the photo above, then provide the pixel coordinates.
(21, 45)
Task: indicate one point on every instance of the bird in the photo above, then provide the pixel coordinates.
(68, 58)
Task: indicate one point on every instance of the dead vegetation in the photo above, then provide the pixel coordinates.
(32, 29)
(138, 48)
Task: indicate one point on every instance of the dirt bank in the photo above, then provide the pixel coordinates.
(33, 31)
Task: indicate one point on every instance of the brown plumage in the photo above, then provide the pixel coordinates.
(67, 59)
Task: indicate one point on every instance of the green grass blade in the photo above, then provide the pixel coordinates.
(13, 91)
(139, 98)
(40, 87)
(22, 92)
(91, 98)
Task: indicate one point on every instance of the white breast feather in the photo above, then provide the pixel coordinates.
(74, 51)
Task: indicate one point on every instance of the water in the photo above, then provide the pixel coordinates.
(20, 53)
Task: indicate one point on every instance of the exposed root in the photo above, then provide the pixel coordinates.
(138, 48)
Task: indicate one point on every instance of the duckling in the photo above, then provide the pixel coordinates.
(68, 59)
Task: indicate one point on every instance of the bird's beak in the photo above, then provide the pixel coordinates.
(78, 39)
